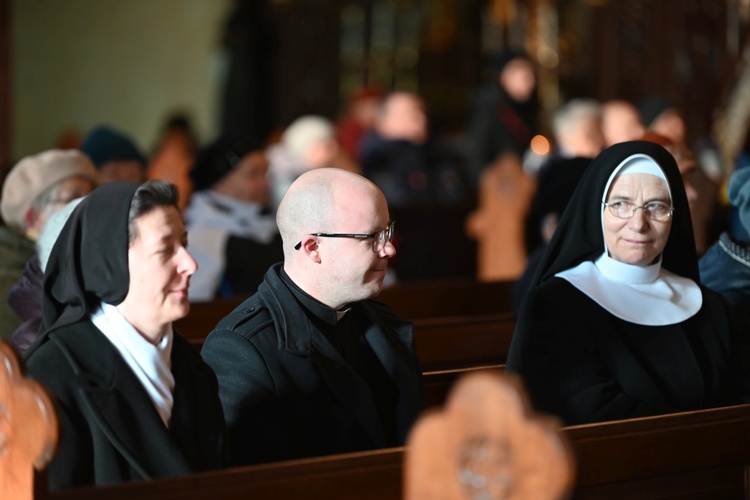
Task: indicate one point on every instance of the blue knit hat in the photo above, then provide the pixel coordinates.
(104, 144)
(739, 194)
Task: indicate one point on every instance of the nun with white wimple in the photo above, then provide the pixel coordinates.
(616, 324)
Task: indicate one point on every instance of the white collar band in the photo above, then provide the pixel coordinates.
(650, 295)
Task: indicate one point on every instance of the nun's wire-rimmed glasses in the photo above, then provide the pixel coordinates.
(379, 237)
(654, 210)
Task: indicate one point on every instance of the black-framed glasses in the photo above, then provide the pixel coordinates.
(654, 210)
(379, 237)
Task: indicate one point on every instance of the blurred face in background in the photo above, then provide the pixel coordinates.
(248, 181)
(122, 170)
(55, 198)
(584, 138)
(621, 122)
(518, 79)
(403, 118)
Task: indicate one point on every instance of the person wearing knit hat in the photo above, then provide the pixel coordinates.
(25, 297)
(725, 267)
(115, 155)
(233, 237)
(33, 190)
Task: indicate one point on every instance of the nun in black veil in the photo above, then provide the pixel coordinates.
(616, 324)
(134, 399)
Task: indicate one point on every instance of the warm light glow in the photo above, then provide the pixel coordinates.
(540, 145)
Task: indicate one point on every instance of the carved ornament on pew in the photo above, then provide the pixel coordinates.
(28, 428)
(487, 444)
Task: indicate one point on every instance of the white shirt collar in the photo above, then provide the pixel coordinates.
(151, 364)
(644, 295)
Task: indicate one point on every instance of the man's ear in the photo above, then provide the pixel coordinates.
(310, 248)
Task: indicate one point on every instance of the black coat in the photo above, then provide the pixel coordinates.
(110, 430)
(288, 393)
(584, 365)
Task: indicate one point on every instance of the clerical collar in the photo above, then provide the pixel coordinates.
(644, 295)
(327, 315)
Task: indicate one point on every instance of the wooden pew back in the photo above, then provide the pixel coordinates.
(434, 299)
(456, 342)
(463, 342)
(412, 301)
(700, 454)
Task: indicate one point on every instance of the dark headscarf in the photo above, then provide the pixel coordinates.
(89, 261)
(650, 107)
(579, 236)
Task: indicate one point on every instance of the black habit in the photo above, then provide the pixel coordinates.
(584, 364)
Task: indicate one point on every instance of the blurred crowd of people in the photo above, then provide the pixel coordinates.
(230, 186)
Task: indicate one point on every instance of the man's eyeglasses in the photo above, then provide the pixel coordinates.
(378, 237)
(654, 210)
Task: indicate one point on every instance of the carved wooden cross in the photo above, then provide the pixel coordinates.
(28, 428)
(486, 444)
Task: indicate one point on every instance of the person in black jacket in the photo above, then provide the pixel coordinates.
(310, 365)
(134, 399)
(503, 110)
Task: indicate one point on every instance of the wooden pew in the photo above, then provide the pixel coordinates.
(456, 297)
(454, 342)
(463, 342)
(413, 301)
(702, 454)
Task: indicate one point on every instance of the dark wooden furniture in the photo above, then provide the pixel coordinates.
(702, 454)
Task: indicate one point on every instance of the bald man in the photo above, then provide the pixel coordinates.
(310, 365)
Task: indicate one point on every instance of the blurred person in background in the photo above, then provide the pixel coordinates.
(34, 189)
(404, 161)
(620, 122)
(308, 142)
(115, 155)
(174, 155)
(503, 110)
(25, 297)
(234, 238)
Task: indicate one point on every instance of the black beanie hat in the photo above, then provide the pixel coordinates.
(104, 144)
(218, 158)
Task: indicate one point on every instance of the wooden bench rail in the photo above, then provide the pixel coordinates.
(699, 454)
(675, 447)
(432, 299)
(463, 342)
(412, 301)
(457, 342)
(372, 475)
